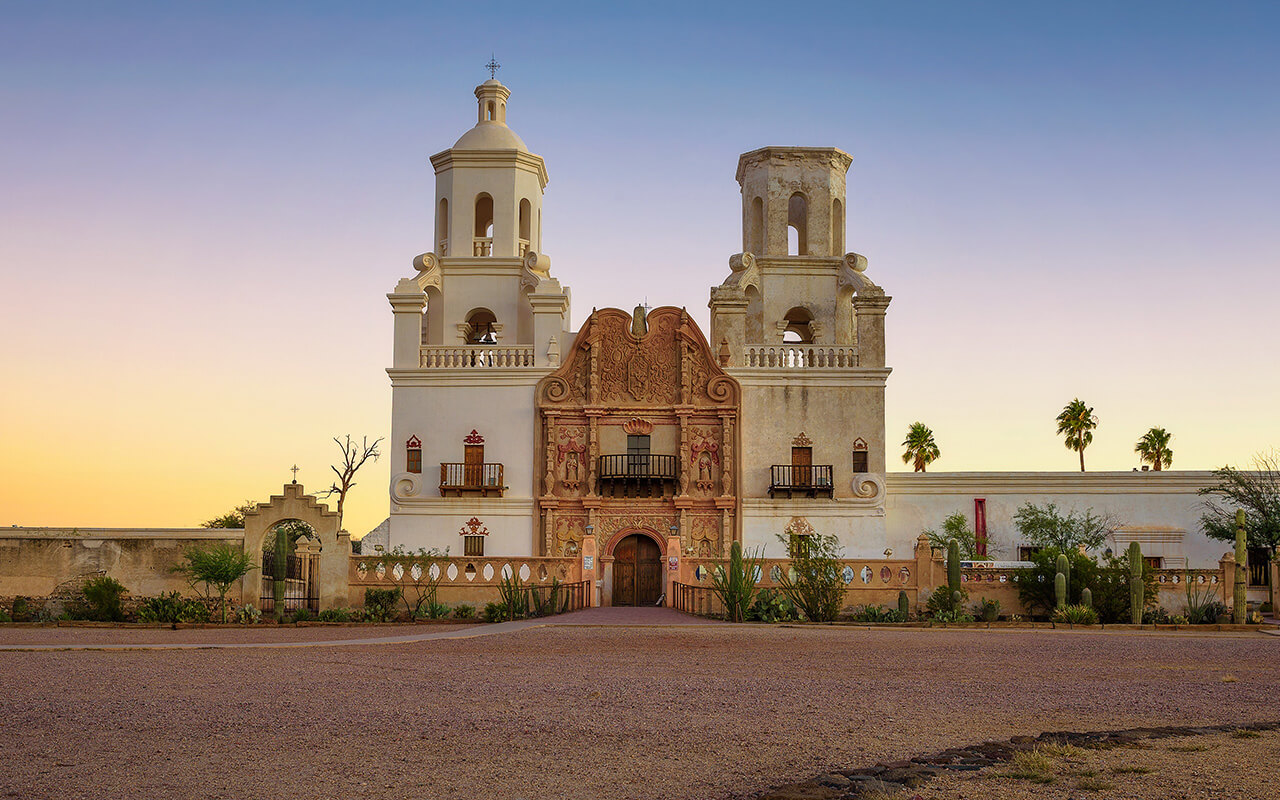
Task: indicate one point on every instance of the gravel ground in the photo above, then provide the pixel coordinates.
(1214, 767)
(138, 636)
(587, 712)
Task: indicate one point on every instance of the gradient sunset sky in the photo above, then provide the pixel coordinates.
(204, 206)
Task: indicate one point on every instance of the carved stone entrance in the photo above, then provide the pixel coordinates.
(637, 571)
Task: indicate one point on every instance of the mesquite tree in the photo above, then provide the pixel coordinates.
(354, 457)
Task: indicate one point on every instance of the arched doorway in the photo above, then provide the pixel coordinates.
(290, 569)
(637, 571)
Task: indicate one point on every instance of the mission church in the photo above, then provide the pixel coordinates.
(639, 438)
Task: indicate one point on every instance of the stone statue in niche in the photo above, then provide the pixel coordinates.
(705, 482)
(571, 452)
(572, 477)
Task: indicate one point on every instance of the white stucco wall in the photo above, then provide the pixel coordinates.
(1153, 506)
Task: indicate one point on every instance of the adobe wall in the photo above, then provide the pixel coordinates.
(34, 561)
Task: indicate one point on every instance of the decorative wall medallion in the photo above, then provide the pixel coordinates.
(473, 527)
(859, 445)
(802, 441)
(638, 427)
(885, 574)
(799, 526)
(473, 438)
(414, 443)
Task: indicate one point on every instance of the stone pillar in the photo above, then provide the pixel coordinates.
(869, 310)
(726, 454)
(686, 456)
(550, 306)
(925, 577)
(1227, 577)
(593, 450)
(590, 569)
(728, 321)
(407, 302)
(671, 569)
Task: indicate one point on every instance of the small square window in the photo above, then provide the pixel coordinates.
(473, 545)
(860, 461)
(798, 546)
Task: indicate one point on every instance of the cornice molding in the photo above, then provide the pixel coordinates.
(470, 377)
(994, 483)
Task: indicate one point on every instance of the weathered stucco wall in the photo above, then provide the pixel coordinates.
(34, 561)
(1161, 510)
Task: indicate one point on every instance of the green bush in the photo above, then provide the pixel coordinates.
(876, 613)
(550, 599)
(771, 605)
(812, 581)
(302, 615)
(987, 610)
(100, 599)
(4, 616)
(21, 609)
(495, 612)
(335, 615)
(735, 584)
(173, 607)
(380, 604)
(944, 601)
(1075, 615)
(432, 610)
(515, 598)
(464, 611)
(955, 614)
(1108, 584)
(1157, 615)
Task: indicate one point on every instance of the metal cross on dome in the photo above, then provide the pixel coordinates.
(294, 470)
(493, 66)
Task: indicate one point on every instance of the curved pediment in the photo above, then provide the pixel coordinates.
(610, 364)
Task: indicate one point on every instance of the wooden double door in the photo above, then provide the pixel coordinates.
(637, 571)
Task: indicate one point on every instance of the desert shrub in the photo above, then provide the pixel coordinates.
(464, 611)
(100, 599)
(335, 615)
(987, 610)
(876, 613)
(218, 567)
(432, 610)
(247, 614)
(735, 583)
(495, 612)
(21, 609)
(956, 614)
(1203, 605)
(4, 616)
(771, 605)
(1108, 582)
(1075, 615)
(812, 581)
(302, 615)
(380, 604)
(515, 597)
(173, 607)
(1156, 615)
(548, 600)
(942, 600)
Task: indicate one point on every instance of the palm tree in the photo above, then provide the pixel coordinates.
(921, 448)
(1076, 423)
(1154, 448)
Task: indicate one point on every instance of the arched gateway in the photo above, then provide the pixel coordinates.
(335, 545)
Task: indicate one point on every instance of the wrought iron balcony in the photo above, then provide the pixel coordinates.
(806, 480)
(481, 479)
(637, 473)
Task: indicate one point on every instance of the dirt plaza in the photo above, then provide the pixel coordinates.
(595, 709)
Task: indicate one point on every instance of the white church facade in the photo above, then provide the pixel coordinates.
(639, 438)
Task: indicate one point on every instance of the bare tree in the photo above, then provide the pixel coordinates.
(353, 458)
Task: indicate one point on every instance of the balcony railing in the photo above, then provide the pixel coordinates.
(460, 479)
(476, 356)
(482, 246)
(799, 356)
(806, 480)
(637, 474)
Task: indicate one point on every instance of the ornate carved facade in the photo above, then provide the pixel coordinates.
(637, 431)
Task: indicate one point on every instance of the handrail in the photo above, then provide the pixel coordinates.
(455, 477)
(476, 356)
(808, 479)
(638, 466)
(800, 356)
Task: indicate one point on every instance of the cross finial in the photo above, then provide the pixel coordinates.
(493, 66)
(294, 470)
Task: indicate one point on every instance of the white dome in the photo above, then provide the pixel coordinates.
(490, 136)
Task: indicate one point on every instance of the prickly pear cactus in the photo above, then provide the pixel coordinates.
(1137, 591)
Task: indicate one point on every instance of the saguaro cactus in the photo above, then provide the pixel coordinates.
(1086, 597)
(1064, 568)
(1137, 591)
(904, 605)
(1242, 565)
(953, 565)
(1060, 589)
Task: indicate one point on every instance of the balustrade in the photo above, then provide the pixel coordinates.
(476, 356)
(482, 246)
(800, 356)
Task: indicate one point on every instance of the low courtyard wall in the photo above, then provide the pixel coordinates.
(474, 581)
(34, 562)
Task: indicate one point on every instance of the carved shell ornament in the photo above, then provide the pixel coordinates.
(638, 427)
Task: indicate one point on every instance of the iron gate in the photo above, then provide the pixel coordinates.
(301, 584)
